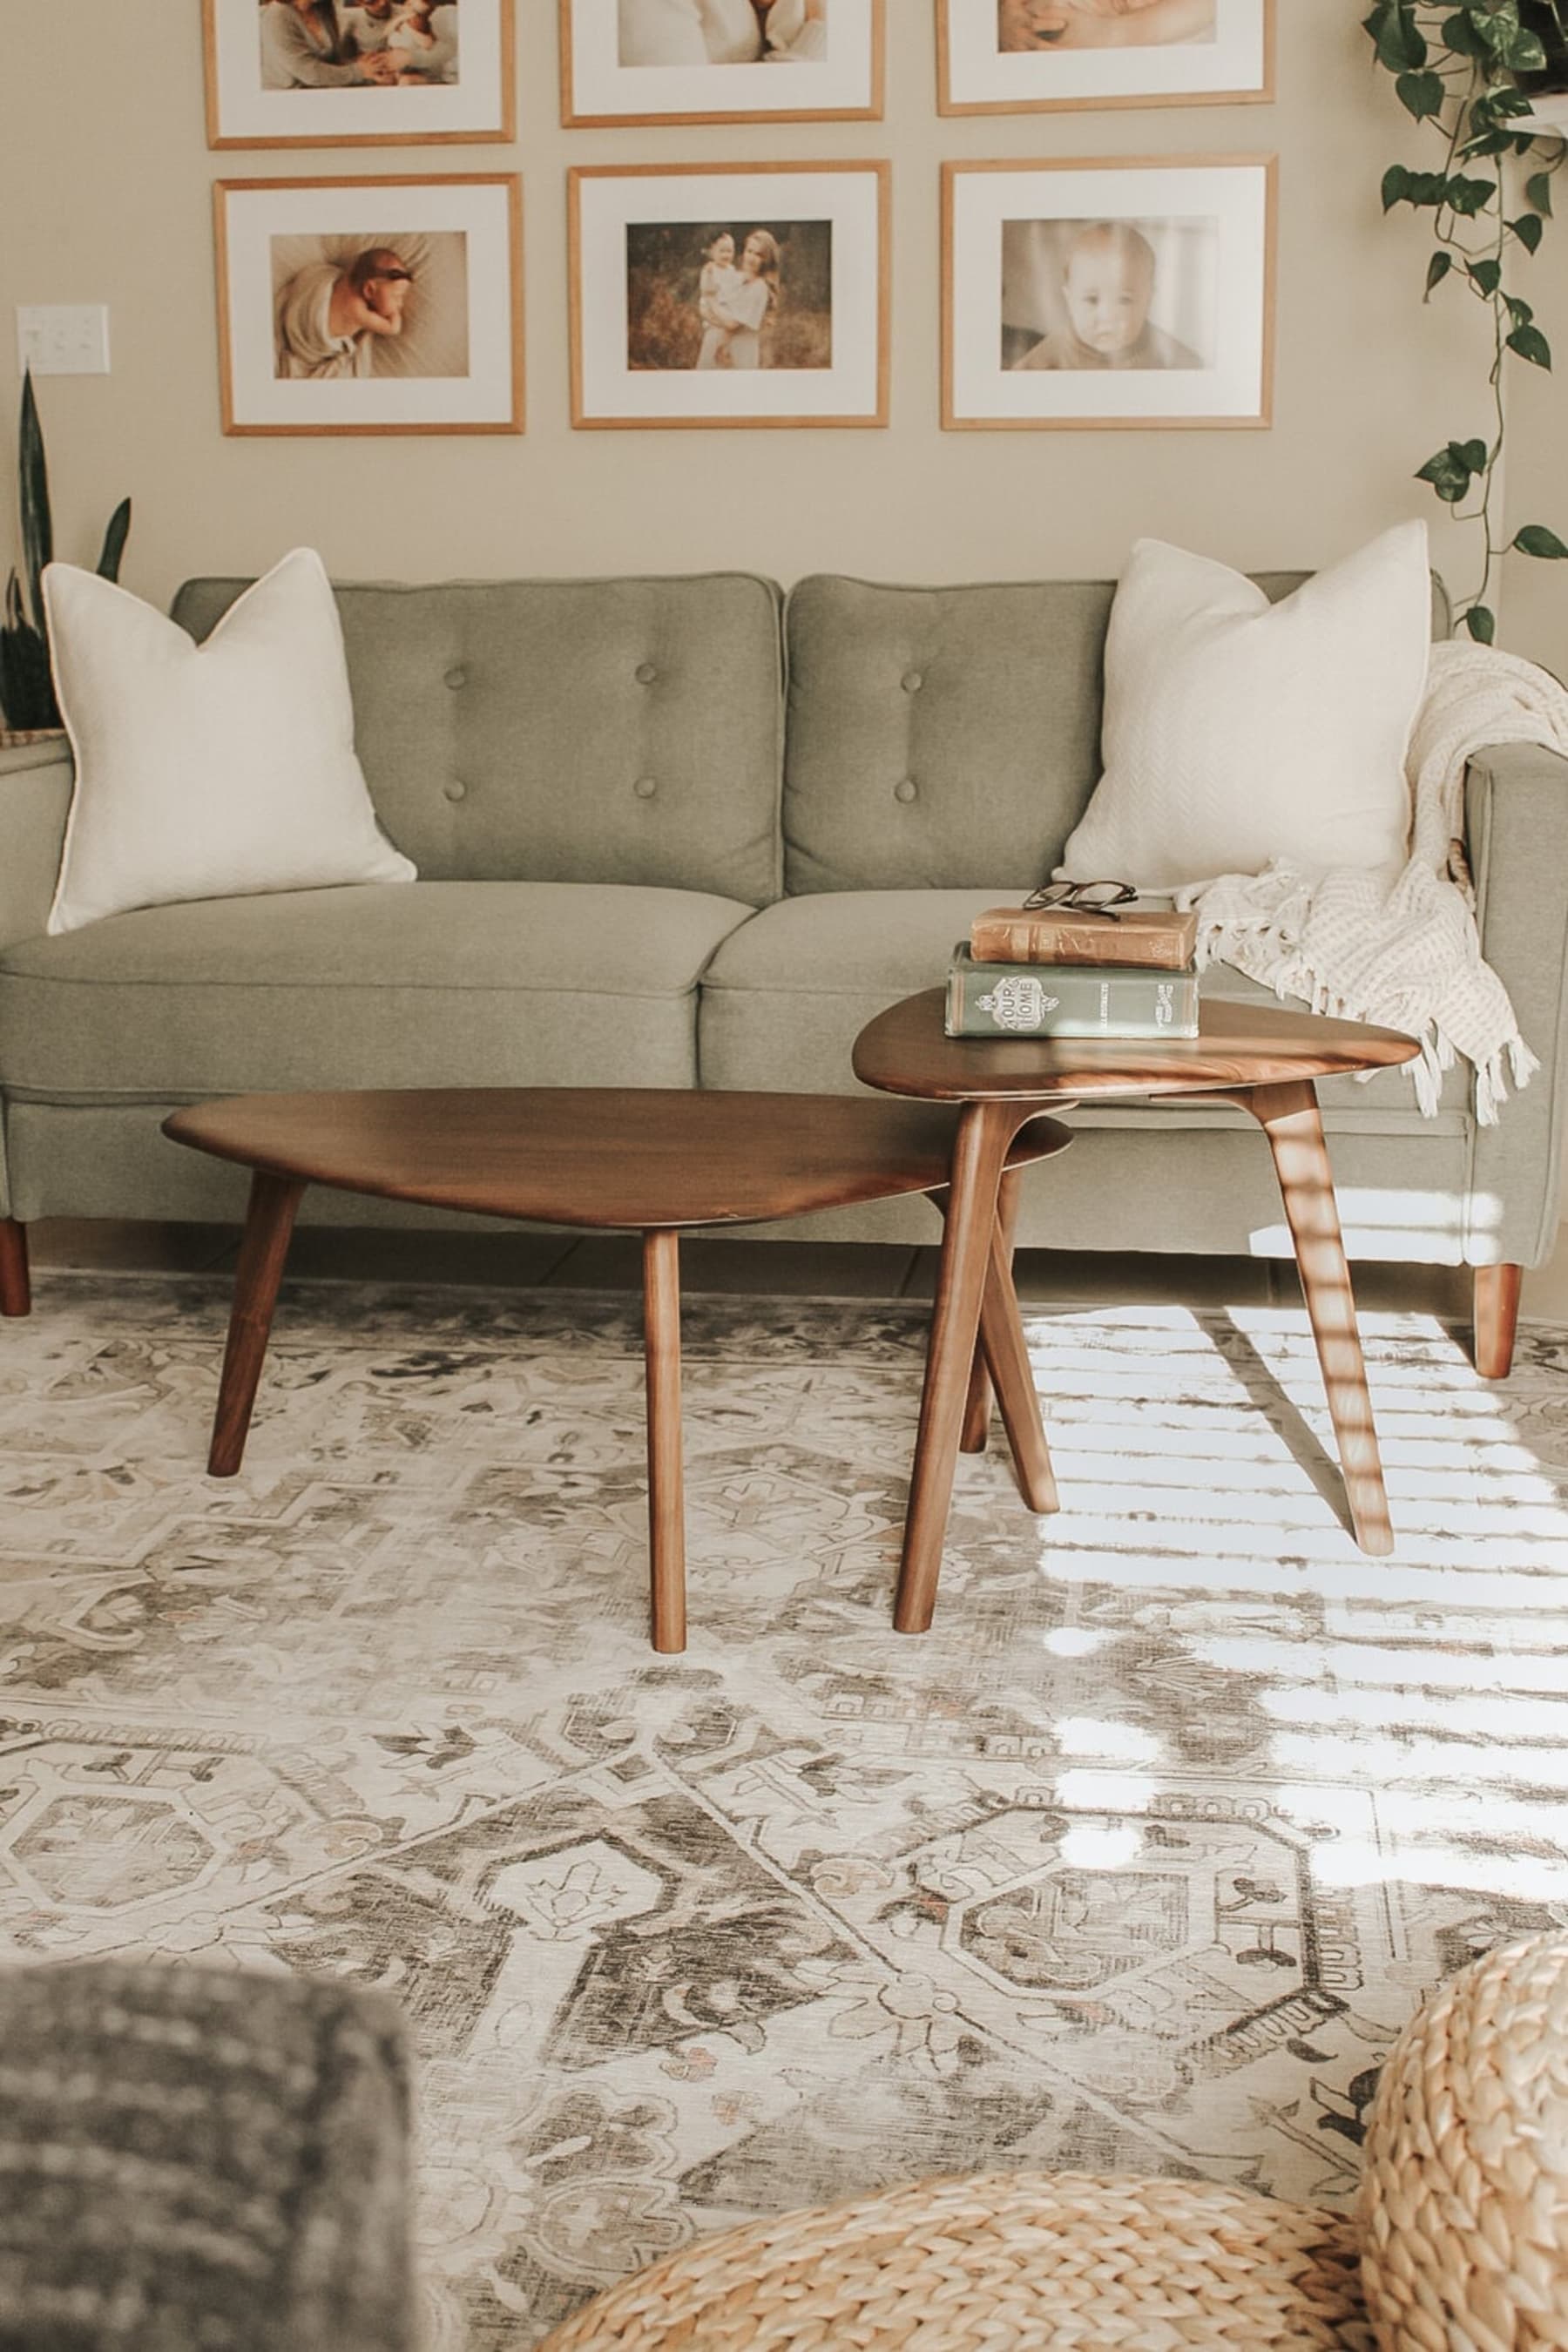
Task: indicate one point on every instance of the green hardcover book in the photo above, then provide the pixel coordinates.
(1063, 1000)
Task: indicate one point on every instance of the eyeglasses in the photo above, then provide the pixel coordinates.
(1084, 897)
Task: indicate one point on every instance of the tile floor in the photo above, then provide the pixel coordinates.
(759, 1268)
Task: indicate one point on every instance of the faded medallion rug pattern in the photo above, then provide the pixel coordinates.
(1136, 1862)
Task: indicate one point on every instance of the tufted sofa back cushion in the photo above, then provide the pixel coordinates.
(553, 731)
(946, 738)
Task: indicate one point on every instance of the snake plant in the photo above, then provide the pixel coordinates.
(26, 688)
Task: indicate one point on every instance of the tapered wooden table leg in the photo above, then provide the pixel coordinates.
(977, 1404)
(1002, 1359)
(269, 1228)
(666, 1501)
(15, 1291)
(1290, 1118)
(979, 1151)
(1006, 1353)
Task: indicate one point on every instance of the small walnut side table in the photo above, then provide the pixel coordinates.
(650, 1160)
(1261, 1059)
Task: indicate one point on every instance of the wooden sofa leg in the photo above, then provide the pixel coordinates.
(15, 1294)
(1496, 1318)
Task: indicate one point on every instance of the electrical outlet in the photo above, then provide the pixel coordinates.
(63, 338)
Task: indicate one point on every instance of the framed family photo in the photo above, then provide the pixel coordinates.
(720, 61)
(371, 305)
(328, 73)
(1007, 56)
(1128, 293)
(729, 294)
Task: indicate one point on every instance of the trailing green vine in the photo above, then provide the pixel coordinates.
(1469, 68)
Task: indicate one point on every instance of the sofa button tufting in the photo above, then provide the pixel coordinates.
(456, 790)
(912, 681)
(646, 673)
(456, 676)
(906, 790)
(646, 787)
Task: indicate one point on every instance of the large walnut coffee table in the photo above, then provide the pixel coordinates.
(650, 1161)
(1261, 1059)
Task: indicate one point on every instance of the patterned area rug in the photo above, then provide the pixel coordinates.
(1136, 1862)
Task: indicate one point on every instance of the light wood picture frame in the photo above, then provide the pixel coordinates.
(1165, 53)
(452, 81)
(714, 61)
(372, 305)
(1131, 292)
(668, 327)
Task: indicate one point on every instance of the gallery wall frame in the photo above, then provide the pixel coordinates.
(473, 102)
(1125, 292)
(609, 79)
(377, 304)
(1234, 65)
(653, 348)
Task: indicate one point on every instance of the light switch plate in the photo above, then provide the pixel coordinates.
(63, 338)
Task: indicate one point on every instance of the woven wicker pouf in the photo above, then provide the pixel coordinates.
(1462, 2216)
(1463, 2211)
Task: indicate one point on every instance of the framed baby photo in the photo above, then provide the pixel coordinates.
(1132, 293)
(371, 305)
(331, 73)
(1007, 56)
(720, 61)
(729, 294)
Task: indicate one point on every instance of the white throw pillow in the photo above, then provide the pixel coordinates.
(213, 770)
(1236, 732)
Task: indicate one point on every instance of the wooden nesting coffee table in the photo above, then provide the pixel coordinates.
(650, 1161)
(1261, 1059)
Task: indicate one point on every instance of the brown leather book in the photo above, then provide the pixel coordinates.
(1156, 938)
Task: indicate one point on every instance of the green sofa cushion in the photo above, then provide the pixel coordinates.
(411, 984)
(939, 737)
(786, 994)
(551, 730)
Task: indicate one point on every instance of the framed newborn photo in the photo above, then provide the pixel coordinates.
(1131, 293)
(729, 294)
(1020, 56)
(371, 73)
(720, 61)
(371, 305)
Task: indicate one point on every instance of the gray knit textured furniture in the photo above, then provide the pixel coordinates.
(201, 2160)
(691, 831)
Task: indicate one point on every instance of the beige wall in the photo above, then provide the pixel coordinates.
(106, 180)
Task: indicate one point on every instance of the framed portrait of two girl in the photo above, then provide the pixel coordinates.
(729, 294)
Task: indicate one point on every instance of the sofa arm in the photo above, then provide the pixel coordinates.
(34, 800)
(1516, 827)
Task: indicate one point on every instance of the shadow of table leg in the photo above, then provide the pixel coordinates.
(666, 1498)
(263, 1250)
(1290, 1118)
(979, 1154)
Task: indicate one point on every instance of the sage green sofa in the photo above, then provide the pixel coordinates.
(694, 832)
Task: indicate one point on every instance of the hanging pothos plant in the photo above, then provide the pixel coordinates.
(1471, 68)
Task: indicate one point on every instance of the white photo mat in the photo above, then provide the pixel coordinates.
(607, 391)
(1236, 64)
(1233, 197)
(241, 113)
(482, 209)
(597, 89)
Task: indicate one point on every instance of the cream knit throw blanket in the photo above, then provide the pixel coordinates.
(1399, 947)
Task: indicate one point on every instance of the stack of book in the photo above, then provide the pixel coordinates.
(1058, 973)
